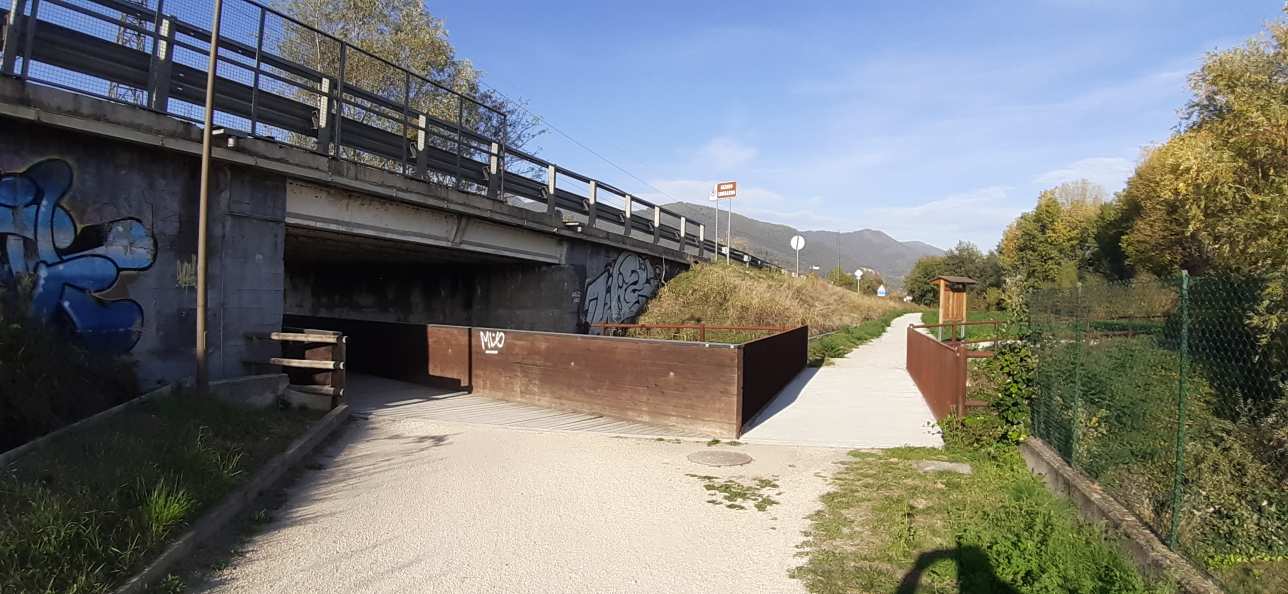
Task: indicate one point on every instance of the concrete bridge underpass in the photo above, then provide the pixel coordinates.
(330, 201)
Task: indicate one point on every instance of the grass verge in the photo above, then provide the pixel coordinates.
(889, 527)
(840, 343)
(86, 512)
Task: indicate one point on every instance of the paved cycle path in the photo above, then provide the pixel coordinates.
(863, 400)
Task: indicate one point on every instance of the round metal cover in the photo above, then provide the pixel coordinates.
(719, 458)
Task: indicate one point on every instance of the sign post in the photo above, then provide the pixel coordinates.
(858, 281)
(727, 191)
(798, 243)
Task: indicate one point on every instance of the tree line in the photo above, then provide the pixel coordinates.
(1212, 199)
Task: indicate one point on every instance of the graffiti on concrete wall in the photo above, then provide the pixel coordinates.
(71, 265)
(621, 291)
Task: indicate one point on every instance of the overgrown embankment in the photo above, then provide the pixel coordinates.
(719, 294)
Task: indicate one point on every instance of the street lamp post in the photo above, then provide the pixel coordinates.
(203, 201)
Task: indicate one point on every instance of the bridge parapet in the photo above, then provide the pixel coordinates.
(411, 139)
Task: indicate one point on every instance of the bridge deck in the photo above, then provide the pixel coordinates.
(376, 396)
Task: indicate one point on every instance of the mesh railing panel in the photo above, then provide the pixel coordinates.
(1162, 391)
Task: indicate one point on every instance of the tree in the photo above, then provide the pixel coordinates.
(839, 277)
(1214, 197)
(870, 282)
(1055, 243)
(917, 282)
(401, 32)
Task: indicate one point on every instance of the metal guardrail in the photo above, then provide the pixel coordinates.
(152, 53)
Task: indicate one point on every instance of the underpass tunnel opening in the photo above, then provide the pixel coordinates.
(383, 294)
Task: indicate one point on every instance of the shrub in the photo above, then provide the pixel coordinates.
(47, 380)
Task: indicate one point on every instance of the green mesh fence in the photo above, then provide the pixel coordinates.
(1170, 393)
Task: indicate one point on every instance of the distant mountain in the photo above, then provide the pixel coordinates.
(865, 248)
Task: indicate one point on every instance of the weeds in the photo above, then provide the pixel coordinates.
(720, 294)
(85, 512)
(732, 493)
(996, 530)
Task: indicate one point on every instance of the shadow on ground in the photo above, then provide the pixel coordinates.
(975, 574)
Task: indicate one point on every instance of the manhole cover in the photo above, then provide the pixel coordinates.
(719, 458)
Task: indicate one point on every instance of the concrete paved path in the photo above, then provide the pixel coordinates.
(371, 395)
(864, 400)
(404, 503)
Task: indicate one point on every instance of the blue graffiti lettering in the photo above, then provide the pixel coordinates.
(71, 264)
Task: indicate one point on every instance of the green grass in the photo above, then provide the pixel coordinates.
(976, 332)
(886, 524)
(87, 511)
(737, 495)
(840, 343)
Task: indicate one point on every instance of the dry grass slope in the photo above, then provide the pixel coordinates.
(735, 295)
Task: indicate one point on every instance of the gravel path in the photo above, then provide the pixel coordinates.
(416, 505)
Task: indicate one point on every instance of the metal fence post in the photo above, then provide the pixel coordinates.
(13, 27)
(552, 183)
(1075, 433)
(1178, 478)
(591, 200)
(161, 66)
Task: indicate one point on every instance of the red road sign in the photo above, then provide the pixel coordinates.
(726, 190)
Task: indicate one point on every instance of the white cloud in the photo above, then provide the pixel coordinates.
(977, 216)
(1111, 173)
(723, 152)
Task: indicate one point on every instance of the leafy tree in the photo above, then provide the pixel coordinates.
(870, 282)
(1053, 244)
(917, 282)
(1215, 196)
(839, 277)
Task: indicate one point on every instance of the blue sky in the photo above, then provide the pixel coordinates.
(932, 121)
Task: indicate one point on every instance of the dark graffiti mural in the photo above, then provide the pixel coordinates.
(71, 265)
(620, 292)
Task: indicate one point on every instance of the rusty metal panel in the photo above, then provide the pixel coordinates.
(768, 365)
(939, 370)
(689, 385)
(449, 354)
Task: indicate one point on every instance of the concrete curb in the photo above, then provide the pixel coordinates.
(1149, 553)
(40, 442)
(232, 505)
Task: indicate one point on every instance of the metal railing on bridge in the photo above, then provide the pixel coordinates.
(280, 79)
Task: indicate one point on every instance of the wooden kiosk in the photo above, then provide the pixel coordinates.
(952, 302)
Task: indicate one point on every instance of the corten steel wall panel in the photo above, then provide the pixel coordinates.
(769, 364)
(938, 371)
(449, 354)
(688, 385)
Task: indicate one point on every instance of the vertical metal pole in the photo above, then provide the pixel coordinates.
(406, 117)
(1079, 338)
(1178, 479)
(203, 201)
(339, 101)
(254, 88)
(33, 21)
(460, 125)
(729, 254)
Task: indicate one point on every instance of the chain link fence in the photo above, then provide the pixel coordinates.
(1171, 395)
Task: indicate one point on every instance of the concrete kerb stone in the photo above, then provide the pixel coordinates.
(217, 518)
(1147, 551)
